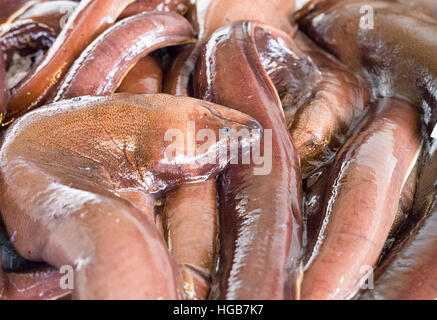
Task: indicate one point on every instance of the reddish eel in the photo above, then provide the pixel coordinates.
(90, 18)
(209, 16)
(103, 65)
(395, 55)
(260, 219)
(190, 223)
(409, 272)
(94, 149)
(362, 199)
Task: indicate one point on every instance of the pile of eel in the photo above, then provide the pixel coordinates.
(218, 149)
